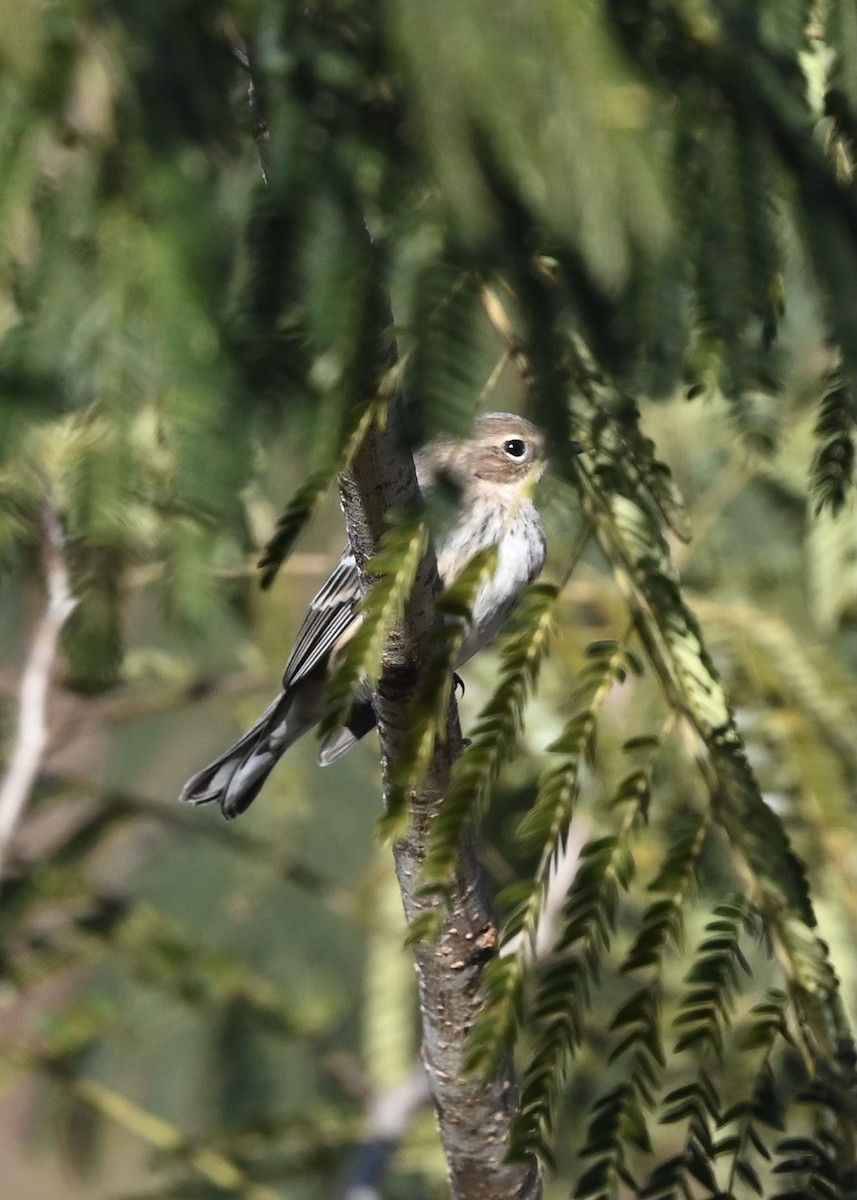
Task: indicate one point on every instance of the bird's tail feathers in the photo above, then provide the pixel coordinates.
(235, 779)
(361, 720)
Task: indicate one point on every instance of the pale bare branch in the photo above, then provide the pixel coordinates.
(31, 741)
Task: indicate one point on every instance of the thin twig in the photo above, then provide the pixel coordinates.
(32, 738)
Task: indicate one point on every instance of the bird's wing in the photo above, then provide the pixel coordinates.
(331, 613)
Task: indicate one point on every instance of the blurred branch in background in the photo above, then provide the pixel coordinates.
(219, 1171)
(28, 749)
(389, 1118)
(634, 222)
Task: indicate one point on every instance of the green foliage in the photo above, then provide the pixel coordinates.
(394, 569)
(495, 731)
(567, 985)
(306, 501)
(545, 827)
(833, 468)
(427, 717)
(443, 371)
(637, 221)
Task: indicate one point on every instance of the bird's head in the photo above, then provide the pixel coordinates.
(504, 451)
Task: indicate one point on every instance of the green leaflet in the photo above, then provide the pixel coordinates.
(312, 491)
(673, 638)
(565, 986)
(394, 568)
(496, 729)
(617, 1124)
(291, 523)
(833, 465)
(445, 369)
(428, 712)
(544, 827)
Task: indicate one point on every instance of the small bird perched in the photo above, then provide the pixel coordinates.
(495, 470)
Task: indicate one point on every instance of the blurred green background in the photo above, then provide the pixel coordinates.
(174, 987)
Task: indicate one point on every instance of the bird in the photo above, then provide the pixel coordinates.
(494, 471)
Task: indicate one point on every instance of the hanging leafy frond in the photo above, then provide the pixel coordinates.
(707, 157)
(780, 661)
(662, 925)
(489, 120)
(310, 494)
(544, 827)
(291, 522)
(815, 1166)
(749, 1121)
(93, 638)
(444, 372)
(673, 639)
(758, 228)
(616, 1125)
(617, 1119)
(496, 729)
(714, 981)
(393, 569)
(740, 93)
(702, 1021)
(638, 1021)
(832, 565)
(428, 713)
(566, 985)
(699, 1104)
(832, 477)
(655, 477)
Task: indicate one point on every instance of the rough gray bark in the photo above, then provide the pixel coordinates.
(474, 1118)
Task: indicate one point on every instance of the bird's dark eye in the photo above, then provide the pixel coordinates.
(515, 448)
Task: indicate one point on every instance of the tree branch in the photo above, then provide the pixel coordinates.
(32, 736)
(390, 1117)
(474, 1116)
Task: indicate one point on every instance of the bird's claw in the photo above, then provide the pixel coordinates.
(457, 682)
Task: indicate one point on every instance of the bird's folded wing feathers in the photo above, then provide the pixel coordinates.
(330, 615)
